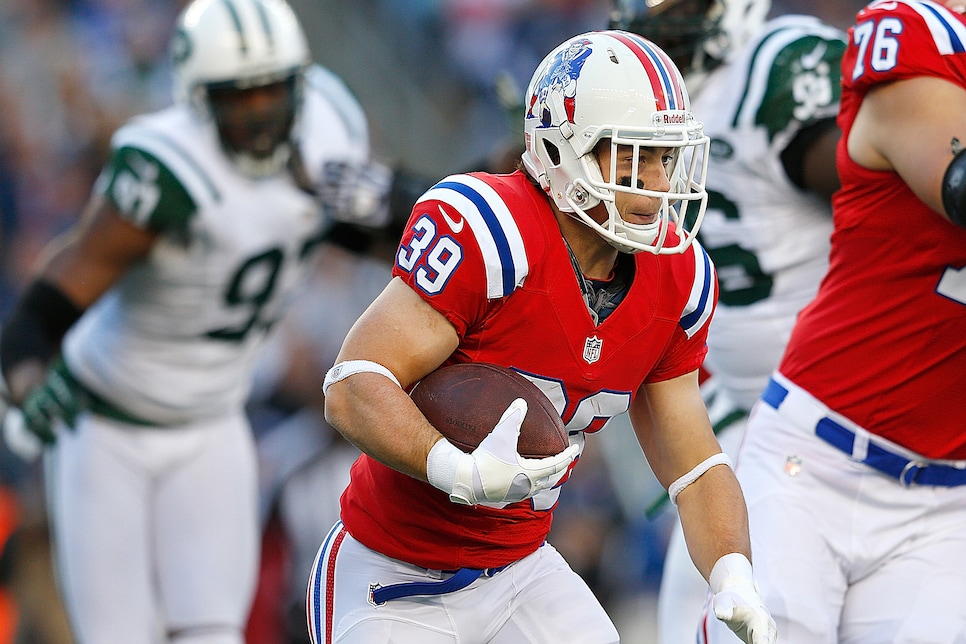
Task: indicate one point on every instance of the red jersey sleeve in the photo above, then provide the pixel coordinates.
(462, 251)
(896, 40)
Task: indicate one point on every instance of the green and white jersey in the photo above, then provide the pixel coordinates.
(768, 238)
(176, 338)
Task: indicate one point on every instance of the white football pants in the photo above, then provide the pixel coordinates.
(155, 530)
(537, 600)
(842, 553)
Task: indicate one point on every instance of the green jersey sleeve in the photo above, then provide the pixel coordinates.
(799, 84)
(146, 193)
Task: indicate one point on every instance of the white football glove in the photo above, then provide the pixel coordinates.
(737, 602)
(357, 193)
(495, 472)
(20, 440)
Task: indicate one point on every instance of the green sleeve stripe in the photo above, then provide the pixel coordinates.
(181, 164)
(751, 68)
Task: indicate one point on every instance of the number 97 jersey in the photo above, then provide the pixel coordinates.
(176, 338)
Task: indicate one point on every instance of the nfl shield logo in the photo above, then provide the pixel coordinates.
(592, 349)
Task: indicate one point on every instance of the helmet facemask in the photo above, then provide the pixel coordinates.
(686, 197)
(255, 123)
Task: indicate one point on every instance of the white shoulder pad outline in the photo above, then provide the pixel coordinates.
(701, 299)
(176, 158)
(497, 234)
(333, 90)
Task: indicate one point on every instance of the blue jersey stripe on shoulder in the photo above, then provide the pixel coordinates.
(494, 227)
(946, 23)
(699, 305)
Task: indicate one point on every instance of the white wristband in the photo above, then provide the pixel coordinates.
(678, 486)
(348, 368)
(442, 464)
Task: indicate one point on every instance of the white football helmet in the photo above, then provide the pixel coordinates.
(222, 48)
(696, 34)
(619, 86)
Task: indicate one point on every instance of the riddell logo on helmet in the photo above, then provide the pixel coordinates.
(672, 119)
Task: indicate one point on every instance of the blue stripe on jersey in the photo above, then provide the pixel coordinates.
(698, 309)
(508, 271)
(951, 28)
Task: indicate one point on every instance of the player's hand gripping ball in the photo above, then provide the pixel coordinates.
(464, 402)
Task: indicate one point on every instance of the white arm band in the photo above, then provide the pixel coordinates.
(675, 488)
(348, 368)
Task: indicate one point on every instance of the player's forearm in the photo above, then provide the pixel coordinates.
(377, 416)
(714, 518)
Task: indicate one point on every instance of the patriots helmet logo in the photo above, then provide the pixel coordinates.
(561, 75)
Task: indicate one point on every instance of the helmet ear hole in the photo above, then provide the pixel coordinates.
(553, 152)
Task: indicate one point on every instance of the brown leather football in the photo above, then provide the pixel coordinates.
(464, 402)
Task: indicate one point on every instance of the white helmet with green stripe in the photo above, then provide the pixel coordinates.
(240, 63)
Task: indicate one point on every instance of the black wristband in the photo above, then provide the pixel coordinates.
(36, 326)
(954, 189)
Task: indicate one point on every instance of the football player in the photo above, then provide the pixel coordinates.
(768, 92)
(130, 353)
(854, 460)
(578, 271)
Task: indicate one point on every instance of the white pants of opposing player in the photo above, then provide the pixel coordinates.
(537, 600)
(155, 530)
(842, 553)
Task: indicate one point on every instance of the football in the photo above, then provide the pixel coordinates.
(464, 403)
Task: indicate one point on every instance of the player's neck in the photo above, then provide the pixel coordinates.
(592, 253)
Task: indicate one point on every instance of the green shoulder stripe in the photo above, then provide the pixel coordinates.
(793, 81)
(146, 192)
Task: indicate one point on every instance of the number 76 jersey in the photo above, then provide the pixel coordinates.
(884, 341)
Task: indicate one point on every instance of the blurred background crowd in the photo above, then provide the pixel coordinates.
(435, 77)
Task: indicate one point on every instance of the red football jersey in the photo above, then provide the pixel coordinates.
(486, 252)
(884, 342)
